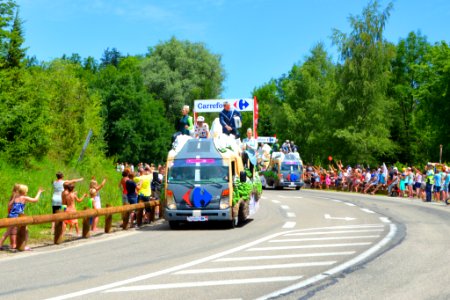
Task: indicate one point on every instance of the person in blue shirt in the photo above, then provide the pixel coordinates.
(228, 120)
(445, 186)
(437, 185)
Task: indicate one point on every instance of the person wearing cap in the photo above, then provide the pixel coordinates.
(201, 128)
(228, 120)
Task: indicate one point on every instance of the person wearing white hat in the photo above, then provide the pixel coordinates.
(201, 128)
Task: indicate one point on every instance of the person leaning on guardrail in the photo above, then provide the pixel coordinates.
(18, 208)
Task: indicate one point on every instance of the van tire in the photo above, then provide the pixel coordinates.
(174, 225)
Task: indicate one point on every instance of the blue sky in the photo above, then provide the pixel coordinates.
(257, 39)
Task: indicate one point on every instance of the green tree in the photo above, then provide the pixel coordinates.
(135, 127)
(411, 55)
(6, 17)
(362, 103)
(15, 53)
(179, 72)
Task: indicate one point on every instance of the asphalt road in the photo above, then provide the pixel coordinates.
(300, 245)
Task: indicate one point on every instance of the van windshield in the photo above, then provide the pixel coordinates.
(290, 166)
(198, 171)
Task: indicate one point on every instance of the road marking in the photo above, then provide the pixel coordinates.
(285, 207)
(284, 197)
(255, 268)
(327, 216)
(307, 246)
(367, 210)
(290, 215)
(385, 220)
(335, 200)
(288, 225)
(333, 232)
(349, 204)
(298, 197)
(202, 284)
(337, 269)
(164, 271)
(276, 201)
(263, 197)
(270, 257)
(327, 238)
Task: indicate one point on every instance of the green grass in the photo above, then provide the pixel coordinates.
(43, 173)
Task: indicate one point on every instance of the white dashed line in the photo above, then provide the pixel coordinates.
(290, 215)
(276, 201)
(285, 207)
(349, 204)
(289, 225)
(385, 220)
(367, 210)
(335, 200)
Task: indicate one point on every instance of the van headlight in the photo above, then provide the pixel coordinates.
(225, 199)
(170, 200)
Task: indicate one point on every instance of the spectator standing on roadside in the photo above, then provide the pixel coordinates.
(122, 186)
(57, 192)
(144, 181)
(14, 193)
(230, 120)
(445, 185)
(429, 182)
(70, 202)
(17, 209)
(98, 203)
(418, 183)
(437, 185)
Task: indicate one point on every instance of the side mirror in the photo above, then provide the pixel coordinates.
(243, 176)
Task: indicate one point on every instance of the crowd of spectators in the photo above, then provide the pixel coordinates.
(428, 184)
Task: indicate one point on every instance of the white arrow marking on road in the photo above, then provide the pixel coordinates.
(327, 216)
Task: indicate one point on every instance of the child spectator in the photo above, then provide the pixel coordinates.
(98, 204)
(69, 200)
(18, 208)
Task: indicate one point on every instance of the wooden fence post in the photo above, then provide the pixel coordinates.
(59, 230)
(139, 215)
(125, 218)
(108, 221)
(86, 226)
(21, 238)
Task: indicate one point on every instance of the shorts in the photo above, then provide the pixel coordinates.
(132, 199)
(444, 188)
(124, 198)
(144, 198)
(55, 208)
(418, 185)
(437, 189)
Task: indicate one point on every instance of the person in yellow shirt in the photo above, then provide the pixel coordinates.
(145, 178)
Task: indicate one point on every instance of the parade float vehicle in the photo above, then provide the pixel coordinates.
(206, 181)
(283, 170)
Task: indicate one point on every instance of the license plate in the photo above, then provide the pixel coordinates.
(197, 218)
(292, 184)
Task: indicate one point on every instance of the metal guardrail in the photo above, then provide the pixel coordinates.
(22, 221)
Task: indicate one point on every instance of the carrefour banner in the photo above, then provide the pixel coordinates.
(216, 105)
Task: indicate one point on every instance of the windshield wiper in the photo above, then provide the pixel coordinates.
(183, 182)
(216, 184)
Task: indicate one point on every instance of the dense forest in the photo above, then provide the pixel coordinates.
(380, 101)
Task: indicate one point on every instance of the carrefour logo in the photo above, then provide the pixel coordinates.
(197, 197)
(216, 105)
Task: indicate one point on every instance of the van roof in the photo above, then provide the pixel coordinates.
(198, 148)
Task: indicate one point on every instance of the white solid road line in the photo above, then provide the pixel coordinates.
(332, 232)
(285, 207)
(254, 268)
(307, 246)
(351, 237)
(367, 210)
(337, 269)
(202, 284)
(271, 257)
(289, 225)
